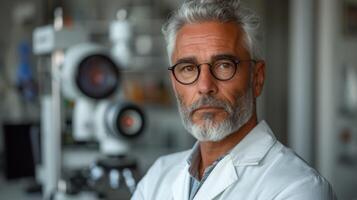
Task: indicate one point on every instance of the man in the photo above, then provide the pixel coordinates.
(217, 73)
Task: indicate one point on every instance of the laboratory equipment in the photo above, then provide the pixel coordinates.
(88, 74)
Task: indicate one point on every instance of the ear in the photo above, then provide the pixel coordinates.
(259, 77)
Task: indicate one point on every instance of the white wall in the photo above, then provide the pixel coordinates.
(335, 51)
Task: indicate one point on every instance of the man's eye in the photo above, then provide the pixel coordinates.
(221, 65)
(224, 65)
(187, 68)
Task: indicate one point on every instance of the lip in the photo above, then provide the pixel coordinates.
(205, 108)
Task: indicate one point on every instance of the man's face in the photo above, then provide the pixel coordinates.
(212, 109)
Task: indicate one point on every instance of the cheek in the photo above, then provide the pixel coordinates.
(172, 79)
(176, 88)
(232, 92)
(174, 85)
(184, 93)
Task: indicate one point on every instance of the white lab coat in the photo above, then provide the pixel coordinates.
(258, 168)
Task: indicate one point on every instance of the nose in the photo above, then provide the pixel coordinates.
(206, 83)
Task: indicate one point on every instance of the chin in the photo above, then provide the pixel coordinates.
(211, 133)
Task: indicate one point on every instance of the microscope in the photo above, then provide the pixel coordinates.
(91, 79)
(89, 75)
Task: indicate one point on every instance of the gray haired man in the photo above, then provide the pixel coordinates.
(217, 74)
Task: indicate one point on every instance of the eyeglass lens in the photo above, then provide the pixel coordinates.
(187, 73)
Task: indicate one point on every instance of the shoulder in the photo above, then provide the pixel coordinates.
(171, 160)
(161, 175)
(166, 164)
(293, 177)
(283, 159)
(166, 167)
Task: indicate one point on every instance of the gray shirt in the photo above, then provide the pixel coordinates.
(193, 161)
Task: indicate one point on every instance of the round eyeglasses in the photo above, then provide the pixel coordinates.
(187, 73)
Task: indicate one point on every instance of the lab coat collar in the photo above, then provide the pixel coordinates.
(223, 175)
(254, 146)
(180, 187)
(250, 151)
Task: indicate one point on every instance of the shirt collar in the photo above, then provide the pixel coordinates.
(194, 155)
(193, 159)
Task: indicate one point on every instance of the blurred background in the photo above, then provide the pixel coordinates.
(86, 104)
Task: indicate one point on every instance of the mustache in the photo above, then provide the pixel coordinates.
(210, 101)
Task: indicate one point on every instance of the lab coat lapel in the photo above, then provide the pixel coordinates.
(222, 176)
(180, 186)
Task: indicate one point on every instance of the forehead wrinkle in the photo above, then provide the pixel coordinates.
(197, 46)
(195, 40)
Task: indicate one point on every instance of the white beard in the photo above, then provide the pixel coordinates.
(238, 115)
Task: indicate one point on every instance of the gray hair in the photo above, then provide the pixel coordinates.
(195, 11)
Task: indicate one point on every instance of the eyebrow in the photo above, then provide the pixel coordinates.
(223, 56)
(212, 59)
(187, 60)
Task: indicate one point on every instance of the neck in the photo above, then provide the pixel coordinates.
(211, 151)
